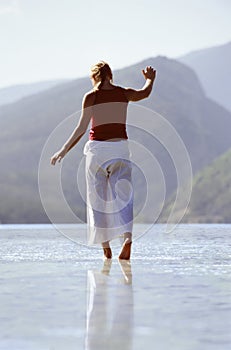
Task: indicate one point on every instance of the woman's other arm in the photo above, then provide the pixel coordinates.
(79, 131)
(137, 95)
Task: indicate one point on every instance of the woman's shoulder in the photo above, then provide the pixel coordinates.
(89, 97)
(90, 93)
(119, 87)
(95, 95)
(124, 91)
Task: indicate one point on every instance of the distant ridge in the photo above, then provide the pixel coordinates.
(14, 93)
(213, 68)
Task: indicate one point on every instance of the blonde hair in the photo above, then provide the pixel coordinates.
(99, 72)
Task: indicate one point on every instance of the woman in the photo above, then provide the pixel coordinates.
(108, 168)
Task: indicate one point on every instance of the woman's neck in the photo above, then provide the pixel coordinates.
(107, 85)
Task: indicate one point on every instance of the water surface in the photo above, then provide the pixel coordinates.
(174, 294)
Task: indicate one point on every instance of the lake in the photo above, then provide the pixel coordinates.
(175, 293)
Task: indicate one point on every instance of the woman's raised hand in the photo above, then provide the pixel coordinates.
(149, 73)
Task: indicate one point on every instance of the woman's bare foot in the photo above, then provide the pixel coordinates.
(125, 252)
(107, 253)
(107, 250)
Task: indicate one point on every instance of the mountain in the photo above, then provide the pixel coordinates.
(14, 93)
(213, 67)
(26, 125)
(211, 195)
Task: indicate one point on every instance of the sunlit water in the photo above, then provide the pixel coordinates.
(174, 294)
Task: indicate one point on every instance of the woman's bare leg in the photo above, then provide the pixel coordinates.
(126, 247)
(106, 244)
(107, 250)
(127, 237)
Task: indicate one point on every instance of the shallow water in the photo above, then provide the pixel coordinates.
(174, 294)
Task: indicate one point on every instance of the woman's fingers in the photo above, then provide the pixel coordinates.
(56, 157)
(149, 72)
(53, 160)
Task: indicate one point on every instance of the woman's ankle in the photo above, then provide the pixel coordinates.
(107, 253)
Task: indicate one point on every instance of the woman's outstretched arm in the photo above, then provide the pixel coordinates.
(137, 95)
(79, 131)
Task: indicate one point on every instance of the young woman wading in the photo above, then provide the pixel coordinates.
(108, 166)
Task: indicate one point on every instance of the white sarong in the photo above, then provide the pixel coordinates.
(109, 190)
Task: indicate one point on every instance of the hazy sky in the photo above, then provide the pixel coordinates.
(50, 39)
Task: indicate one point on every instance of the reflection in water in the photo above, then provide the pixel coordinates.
(109, 308)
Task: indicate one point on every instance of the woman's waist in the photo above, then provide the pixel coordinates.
(108, 126)
(116, 147)
(108, 132)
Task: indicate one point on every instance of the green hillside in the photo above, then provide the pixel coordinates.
(211, 194)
